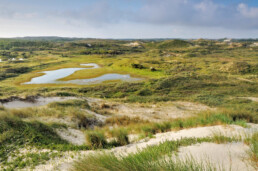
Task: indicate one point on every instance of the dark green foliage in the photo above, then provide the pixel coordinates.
(70, 103)
(144, 92)
(138, 66)
(173, 44)
(13, 72)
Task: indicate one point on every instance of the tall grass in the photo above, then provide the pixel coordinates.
(109, 162)
(148, 129)
(254, 149)
(96, 139)
(16, 133)
(71, 110)
(160, 157)
(208, 118)
(124, 120)
(121, 137)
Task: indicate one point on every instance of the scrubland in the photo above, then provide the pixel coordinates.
(184, 85)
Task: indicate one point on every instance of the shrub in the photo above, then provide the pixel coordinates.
(121, 137)
(138, 66)
(85, 121)
(124, 120)
(174, 44)
(144, 92)
(96, 139)
(64, 94)
(237, 67)
(70, 103)
(254, 148)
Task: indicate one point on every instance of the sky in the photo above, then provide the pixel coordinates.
(130, 18)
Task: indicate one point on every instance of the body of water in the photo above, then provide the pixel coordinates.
(52, 77)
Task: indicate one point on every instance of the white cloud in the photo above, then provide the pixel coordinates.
(153, 18)
(206, 6)
(251, 12)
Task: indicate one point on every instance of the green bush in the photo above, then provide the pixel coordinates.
(173, 44)
(121, 137)
(144, 92)
(137, 66)
(96, 139)
(254, 148)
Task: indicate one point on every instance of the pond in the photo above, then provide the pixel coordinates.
(52, 77)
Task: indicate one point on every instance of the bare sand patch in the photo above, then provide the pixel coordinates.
(255, 99)
(73, 136)
(152, 112)
(231, 156)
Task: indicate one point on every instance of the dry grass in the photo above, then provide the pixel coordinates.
(124, 120)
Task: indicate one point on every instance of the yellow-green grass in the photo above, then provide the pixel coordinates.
(120, 67)
(27, 77)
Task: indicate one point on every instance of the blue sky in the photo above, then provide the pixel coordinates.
(130, 18)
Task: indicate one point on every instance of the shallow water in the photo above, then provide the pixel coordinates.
(105, 77)
(52, 77)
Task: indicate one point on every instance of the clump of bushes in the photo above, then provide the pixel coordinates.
(121, 137)
(254, 149)
(124, 120)
(96, 139)
(86, 121)
(237, 67)
(138, 66)
(70, 103)
(156, 128)
(144, 92)
(174, 44)
(13, 72)
(19, 70)
(65, 94)
(190, 55)
(153, 69)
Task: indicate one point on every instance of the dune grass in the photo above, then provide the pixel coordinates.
(16, 134)
(253, 153)
(158, 157)
(208, 118)
(119, 134)
(203, 71)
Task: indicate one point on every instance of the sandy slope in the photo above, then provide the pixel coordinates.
(65, 162)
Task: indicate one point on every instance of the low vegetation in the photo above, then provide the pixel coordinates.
(253, 143)
(160, 157)
(16, 134)
(210, 72)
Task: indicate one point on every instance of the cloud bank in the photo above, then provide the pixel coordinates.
(100, 17)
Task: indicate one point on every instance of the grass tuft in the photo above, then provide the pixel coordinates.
(121, 137)
(96, 139)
